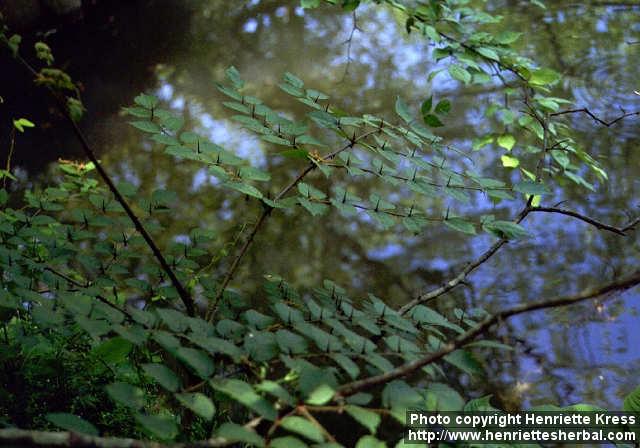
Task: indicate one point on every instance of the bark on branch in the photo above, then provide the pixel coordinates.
(186, 298)
(482, 327)
(265, 214)
(584, 110)
(597, 224)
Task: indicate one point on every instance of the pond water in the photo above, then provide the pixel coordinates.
(177, 49)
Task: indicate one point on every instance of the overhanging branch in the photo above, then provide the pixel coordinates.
(597, 224)
(597, 119)
(482, 327)
(186, 298)
(265, 214)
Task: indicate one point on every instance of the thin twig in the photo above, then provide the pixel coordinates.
(265, 214)
(460, 277)
(349, 42)
(187, 300)
(482, 327)
(597, 224)
(305, 413)
(584, 110)
(86, 285)
(9, 156)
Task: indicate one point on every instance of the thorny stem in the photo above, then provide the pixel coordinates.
(265, 214)
(482, 327)
(187, 300)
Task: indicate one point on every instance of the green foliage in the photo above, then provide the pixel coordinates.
(21, 123)
(71, 259)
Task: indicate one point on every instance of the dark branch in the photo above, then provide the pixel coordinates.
(597, 224)
(482, 327)
(584, 110)
(265, 214)
(458, 279)
(91, 155)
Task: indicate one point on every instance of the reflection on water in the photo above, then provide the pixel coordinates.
(178, 49)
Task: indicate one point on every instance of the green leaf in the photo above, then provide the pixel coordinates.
(146, 126)
(460, 73)
(244, 188)
(366, 418)
(548, 103)
(309, 140)
(244, 394)
(445, 398)
(350, 5)
(309, 4)
(162, 427)
(443, 107)
(22, 123)
(347, 364)
(276, 390)
(507, 141)
(560, 157)
(632, 401)
(403, 110)
(238, 433)
(426, 106)
(290, 343)
(72, 422)
(277, 140)
(230, 92)
(250, 173)
(114, 350)
(481, 142)
(464, 361)
(14, 43)
(198, 403)
(287, 442)
(488, 53)
(197, 360)
(432, 120)
(126, 394)
(509, 162)
(309, 191)
(293, 80)
(507, 37)
(320, 395)
(544, 76)
(163, 375)
(482, 404)
(531, 187)
(233, 75)
(303, 427)
(414, 223)
(506, 229)
(460, 225)
(146, 101)
(426, 315)
(370, 442)
(315, 208)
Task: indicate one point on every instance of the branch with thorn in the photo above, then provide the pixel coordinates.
(406, 369)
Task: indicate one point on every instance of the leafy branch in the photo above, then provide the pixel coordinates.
(265, 214)
(64, 108)
(597, 224)
(482, 327)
